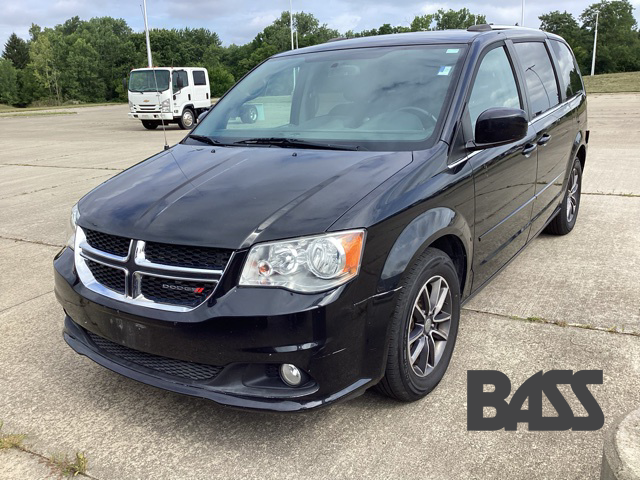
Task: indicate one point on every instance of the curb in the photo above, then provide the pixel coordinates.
(621, 451)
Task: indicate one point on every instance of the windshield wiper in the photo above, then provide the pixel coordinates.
(205, 139)
(295, 143)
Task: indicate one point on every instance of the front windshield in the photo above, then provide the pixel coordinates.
(145, 80)
(388, 98)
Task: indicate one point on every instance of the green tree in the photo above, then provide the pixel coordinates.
(46, 67)
(81, 78)
(8, 82)
(29, 88)
(17, 51)
(457, 19)
(422, 22)
(618, 39)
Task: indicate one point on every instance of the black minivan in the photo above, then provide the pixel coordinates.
(324, 244)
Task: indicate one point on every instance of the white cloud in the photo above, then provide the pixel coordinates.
(344, 22)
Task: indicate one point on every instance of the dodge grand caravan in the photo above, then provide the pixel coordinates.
(328, 245)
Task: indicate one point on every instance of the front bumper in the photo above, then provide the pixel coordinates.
(150, 116)
(245, 332)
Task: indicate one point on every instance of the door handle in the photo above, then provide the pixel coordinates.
(544, 139)
(529, 148)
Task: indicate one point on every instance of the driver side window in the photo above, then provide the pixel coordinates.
(495, 85)
(185, 80)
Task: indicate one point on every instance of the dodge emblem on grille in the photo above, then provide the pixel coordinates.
(183, 288)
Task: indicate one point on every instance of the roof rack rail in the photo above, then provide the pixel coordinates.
(487, 27)
(336, 39)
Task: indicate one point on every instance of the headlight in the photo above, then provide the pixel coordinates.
(308, 264)
(71, 227)
(130, 105)
(165, 105)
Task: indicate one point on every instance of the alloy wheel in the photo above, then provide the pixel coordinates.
(572, 194)
(429, 326)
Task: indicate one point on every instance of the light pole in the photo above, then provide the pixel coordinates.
(146, 30)
(522, 18)
(595, 41)
(291, 22)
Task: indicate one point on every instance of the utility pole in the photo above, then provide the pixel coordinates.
(522, 18)
(146, 30)
(595, 41)
(291, 22)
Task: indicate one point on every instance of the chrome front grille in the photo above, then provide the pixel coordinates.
(112, 278)
(192, 257)
(167, 277)
(104, 242)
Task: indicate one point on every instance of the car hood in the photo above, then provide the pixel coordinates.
(232, 197)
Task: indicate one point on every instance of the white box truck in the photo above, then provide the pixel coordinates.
(169, 94)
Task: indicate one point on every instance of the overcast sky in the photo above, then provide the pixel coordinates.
(238, 21)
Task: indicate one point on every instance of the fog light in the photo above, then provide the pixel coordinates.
(290, 374)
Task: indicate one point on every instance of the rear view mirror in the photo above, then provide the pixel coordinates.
(500, 126)
(124, 83)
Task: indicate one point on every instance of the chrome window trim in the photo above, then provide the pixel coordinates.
(463, 159)
(133, 296)
(568, 101)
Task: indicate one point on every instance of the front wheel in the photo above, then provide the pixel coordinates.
(187, 120)
(423, 329)
(150, 124)
(565, 220)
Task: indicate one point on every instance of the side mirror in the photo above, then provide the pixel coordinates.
(180, 83)
(500, 126)
(203, 114)
(124, 82)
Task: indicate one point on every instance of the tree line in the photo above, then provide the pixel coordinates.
(86, 60)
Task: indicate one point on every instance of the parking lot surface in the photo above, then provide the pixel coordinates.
(567, 303)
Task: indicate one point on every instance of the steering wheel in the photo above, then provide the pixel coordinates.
(426, 118)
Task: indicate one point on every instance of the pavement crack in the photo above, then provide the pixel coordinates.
(47, 461)
(603, 194)
(35, 242)
(51, 187)
(25, 301)
(64, 166)
(557, 323)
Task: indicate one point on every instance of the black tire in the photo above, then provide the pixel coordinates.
(249, 114)
(150, 124)
(187, 120)
(401, 380)
(566, 218)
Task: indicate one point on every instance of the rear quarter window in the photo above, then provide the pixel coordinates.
(199, 77)
(569, 71)
(539, 76)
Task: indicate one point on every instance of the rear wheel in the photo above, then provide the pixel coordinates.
(424, 328)
(565, 220)
(150, 124)
(188, 119)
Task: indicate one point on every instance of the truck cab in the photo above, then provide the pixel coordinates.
(169, 94)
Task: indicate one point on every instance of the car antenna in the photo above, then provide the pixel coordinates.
(146, 28)
(164, 131)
